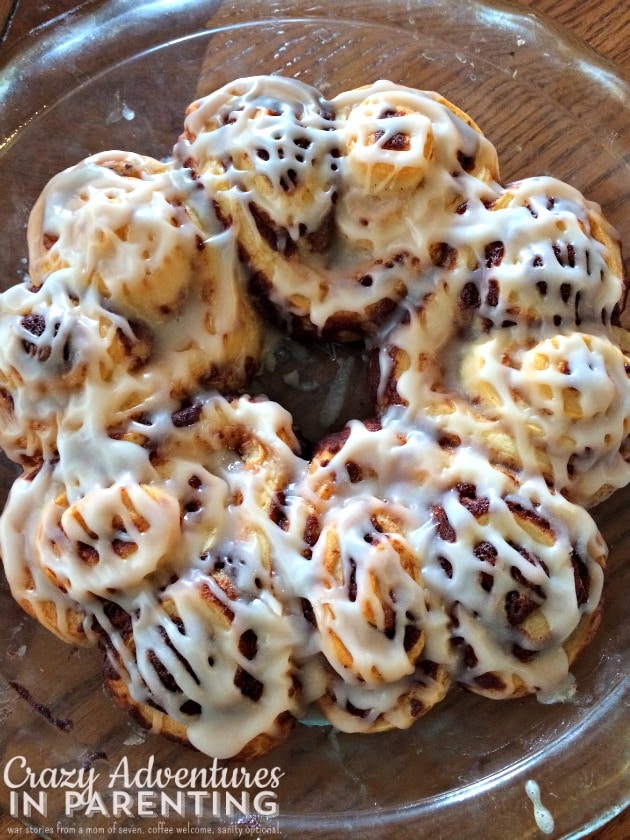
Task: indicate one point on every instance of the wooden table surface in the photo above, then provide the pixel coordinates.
(604, 25)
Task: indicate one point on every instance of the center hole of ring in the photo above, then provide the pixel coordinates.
(322, 384)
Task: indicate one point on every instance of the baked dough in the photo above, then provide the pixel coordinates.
(235, 579)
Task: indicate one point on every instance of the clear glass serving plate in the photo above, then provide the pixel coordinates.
(119, 74)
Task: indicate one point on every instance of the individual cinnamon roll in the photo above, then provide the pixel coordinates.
(566, 400)
(368, 602)
(110, 539)
(414, 371)
(141, 246)
(145, 250)
(518, 570)
(264, 150)
(247, 442)
(51, 345)
(412, 159)
(206, 661)
(366, 596)
(549, 257)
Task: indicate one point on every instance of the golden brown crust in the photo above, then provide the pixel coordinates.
(157, 722)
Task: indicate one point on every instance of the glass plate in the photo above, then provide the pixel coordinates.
(119, 75)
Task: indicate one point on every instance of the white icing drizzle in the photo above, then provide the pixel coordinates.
(367, 205)
(369, 592)
(232, 584)
(572, 390)
(116, 220)
(497, 557)
(516, 337)
(271, 136)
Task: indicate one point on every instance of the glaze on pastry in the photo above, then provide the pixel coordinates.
(234, 580)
